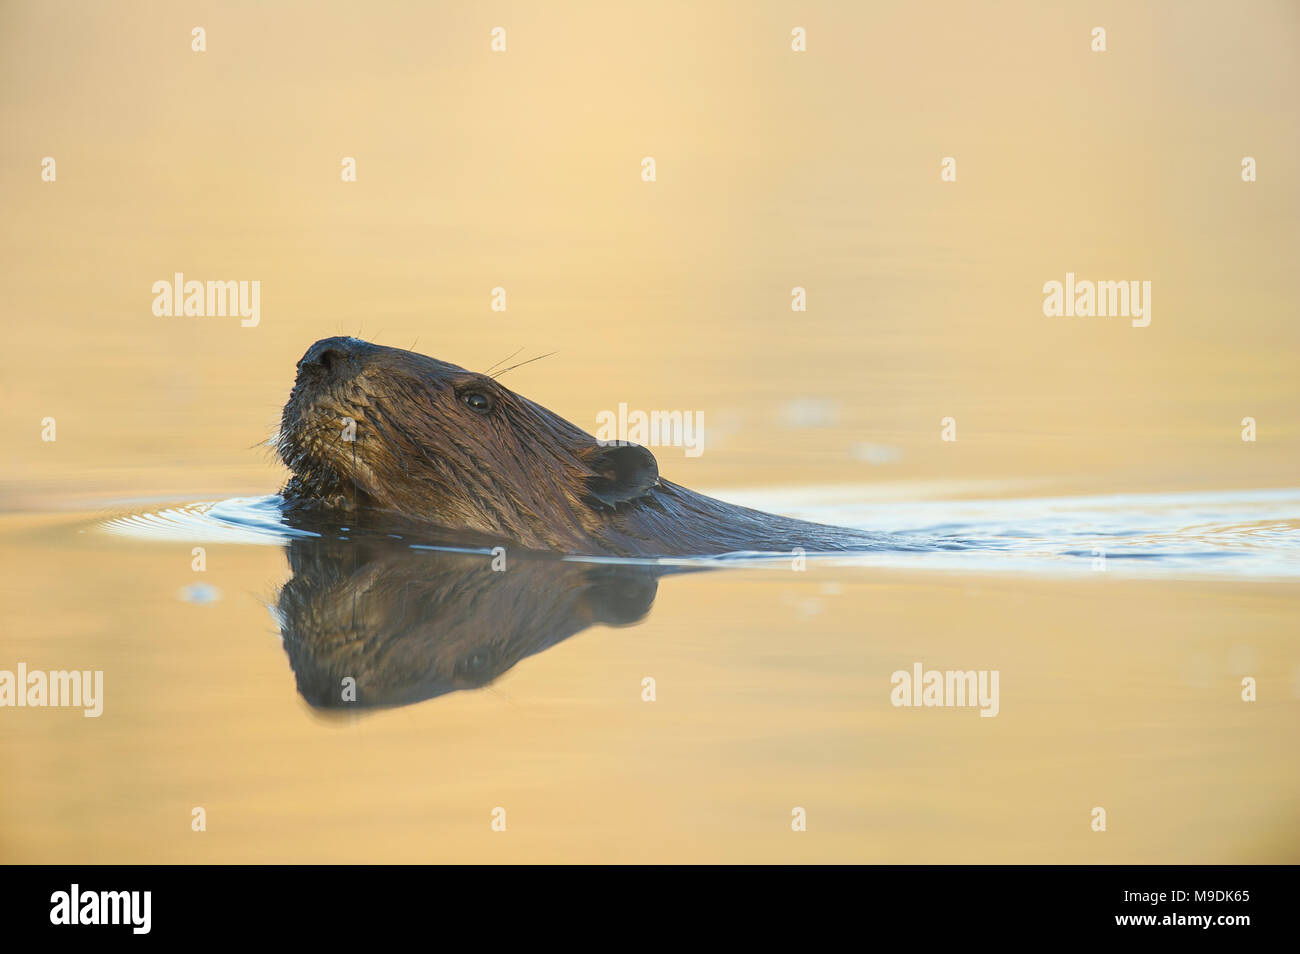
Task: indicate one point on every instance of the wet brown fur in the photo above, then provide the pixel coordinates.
(518, 472)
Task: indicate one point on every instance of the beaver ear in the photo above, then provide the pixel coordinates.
(621, 472)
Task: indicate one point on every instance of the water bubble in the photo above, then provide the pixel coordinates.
(201, 593)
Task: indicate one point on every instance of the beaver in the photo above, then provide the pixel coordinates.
(371, 431)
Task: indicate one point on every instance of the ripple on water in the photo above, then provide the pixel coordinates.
(252, 520)
(1245, 533)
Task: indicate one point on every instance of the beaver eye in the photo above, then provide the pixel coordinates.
(478, 401)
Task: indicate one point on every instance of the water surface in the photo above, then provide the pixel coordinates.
(1121, 685)
(523, 690)
(1242, 534)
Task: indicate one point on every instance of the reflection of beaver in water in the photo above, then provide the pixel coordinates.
(375, 430)
(405, 624)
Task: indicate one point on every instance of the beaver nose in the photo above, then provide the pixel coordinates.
(331, 356)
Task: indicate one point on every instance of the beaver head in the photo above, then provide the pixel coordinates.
(370, 427)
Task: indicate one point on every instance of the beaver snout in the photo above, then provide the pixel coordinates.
(331, 360)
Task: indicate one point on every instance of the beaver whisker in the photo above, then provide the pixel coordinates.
(505, 359)
(522, 363)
